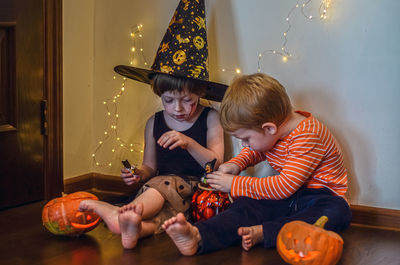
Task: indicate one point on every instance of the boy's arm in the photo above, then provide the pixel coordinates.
(247, 158)
(304, 155)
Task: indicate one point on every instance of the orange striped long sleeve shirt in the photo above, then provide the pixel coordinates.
(309, 156)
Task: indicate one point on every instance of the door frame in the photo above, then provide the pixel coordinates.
(53, 93)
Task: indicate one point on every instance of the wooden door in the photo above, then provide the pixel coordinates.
(30, 101)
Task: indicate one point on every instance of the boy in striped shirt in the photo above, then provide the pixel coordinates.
(311, 179)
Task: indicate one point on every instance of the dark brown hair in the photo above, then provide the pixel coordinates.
(163, 82)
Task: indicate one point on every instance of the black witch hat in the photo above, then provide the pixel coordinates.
(183, 51)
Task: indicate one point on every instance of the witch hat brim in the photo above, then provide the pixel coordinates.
(215, 91)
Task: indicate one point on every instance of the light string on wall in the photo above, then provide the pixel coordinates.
(283, 52)
(230, 70)
(111, 105)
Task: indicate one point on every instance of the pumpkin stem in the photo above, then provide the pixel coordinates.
(321, 221)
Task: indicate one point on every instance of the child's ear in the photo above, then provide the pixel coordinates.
(269, 128)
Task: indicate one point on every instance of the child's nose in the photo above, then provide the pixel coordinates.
(178, 106)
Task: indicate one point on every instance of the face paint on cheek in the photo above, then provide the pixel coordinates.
(193, 108)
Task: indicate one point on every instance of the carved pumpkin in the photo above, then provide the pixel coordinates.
(306, 244)
(61, 216)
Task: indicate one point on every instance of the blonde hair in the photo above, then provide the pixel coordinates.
(252, 100)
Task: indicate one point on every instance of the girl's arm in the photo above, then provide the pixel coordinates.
(149, 164)
(215, 142)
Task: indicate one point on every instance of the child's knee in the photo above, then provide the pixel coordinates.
(338, 213)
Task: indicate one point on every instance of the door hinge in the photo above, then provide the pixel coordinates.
(43, 117)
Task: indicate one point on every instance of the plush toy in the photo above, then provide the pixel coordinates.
(207, 202)
(305, 244)
(61, 216)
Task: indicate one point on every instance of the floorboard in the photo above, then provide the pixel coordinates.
(25, 241)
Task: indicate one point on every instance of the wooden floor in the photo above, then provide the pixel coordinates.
(25, 241)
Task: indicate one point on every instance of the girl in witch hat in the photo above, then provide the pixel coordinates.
(178, 140)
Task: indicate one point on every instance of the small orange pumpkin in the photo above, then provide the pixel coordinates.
(61, 215)
(306, 244)
(207, 202)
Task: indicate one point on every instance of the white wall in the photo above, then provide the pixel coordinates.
(345, 71)
(78, 24)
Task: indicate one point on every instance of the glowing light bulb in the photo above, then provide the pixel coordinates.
(284, 58)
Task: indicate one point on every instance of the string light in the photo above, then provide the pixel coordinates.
(111, 105)
(302, 4)
(230, 70)
(137, 40)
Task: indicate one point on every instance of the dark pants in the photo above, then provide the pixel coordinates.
(306, 205)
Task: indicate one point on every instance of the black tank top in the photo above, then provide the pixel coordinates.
(178, 161)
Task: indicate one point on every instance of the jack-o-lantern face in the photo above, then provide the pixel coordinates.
(61, 216)
(198, 42)
(179, 57)
(305, 244)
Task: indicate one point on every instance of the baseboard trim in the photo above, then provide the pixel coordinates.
(100, 183)
(362, 215)
(376, 217)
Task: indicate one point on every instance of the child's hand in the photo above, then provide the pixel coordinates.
(229, 168)
(220, 181)
(128, 177)
(173, 139)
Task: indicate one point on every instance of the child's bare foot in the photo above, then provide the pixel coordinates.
(185, 236)
(107, 212)
(251, 236)
(130, 223)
